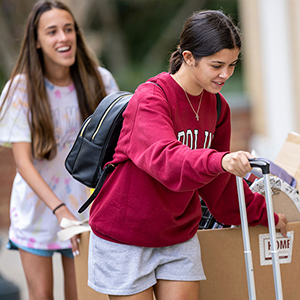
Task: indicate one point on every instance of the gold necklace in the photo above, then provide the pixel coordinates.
(187, 97)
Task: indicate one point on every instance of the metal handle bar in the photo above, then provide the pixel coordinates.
(260, 163)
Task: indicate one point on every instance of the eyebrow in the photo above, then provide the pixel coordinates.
(54, 26)
(50, 27)
(223, 63)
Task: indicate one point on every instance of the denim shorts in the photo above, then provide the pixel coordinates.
(118, 269)
(41, 252)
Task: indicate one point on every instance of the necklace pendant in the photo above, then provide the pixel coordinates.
(188, 99)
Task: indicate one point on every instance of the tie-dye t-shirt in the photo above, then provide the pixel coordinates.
(33, 224)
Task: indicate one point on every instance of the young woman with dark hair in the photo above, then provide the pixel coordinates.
(56, 84)
(172, 150)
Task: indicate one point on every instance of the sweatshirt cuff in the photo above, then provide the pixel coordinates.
(217, 162)
(276, 219)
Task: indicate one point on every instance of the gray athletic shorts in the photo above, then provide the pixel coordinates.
(118, 269)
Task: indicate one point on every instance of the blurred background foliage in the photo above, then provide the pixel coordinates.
(132, 38)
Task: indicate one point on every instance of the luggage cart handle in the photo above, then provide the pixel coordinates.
(260, 163)
(265, 167)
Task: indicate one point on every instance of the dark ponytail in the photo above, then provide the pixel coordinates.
(204, 34)
(176, 60)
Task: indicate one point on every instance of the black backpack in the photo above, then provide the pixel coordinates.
(96, 141)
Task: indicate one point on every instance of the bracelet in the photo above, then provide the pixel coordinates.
(57, 207)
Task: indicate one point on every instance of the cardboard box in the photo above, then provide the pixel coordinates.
(285, 198)
(223, 260)
(84, 292)
(288, 157)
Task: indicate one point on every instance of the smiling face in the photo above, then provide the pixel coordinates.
(56, 37)
(211, 72)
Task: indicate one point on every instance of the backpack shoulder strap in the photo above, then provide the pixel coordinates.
(159, 87)
(219, 108)
(108, 169)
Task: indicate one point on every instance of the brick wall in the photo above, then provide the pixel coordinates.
(239, 141)
(7, 173)
(241, 129)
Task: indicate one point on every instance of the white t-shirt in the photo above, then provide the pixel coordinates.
(33, 224)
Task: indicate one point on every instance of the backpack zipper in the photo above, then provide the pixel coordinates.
(107, 111)
(86, 123)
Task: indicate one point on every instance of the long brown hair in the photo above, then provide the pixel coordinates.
(87, 80)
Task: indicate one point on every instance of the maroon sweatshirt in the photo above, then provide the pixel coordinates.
(165, 159)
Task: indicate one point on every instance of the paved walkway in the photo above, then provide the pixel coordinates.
(11, 270)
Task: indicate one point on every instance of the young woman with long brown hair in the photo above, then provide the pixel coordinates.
(56, 83)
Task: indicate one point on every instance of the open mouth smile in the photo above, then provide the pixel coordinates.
(63, 49)
(218, 83)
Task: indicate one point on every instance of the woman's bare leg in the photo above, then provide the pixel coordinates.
(145, 295)
(39, 275)
(176, 290)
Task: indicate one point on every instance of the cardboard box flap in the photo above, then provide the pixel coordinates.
(288, 157)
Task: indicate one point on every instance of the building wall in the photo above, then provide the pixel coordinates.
(241, 129)
(272, 59)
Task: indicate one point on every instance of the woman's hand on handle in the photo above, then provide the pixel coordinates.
(237, 163)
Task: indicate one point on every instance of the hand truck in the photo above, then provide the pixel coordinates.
(265, 167)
